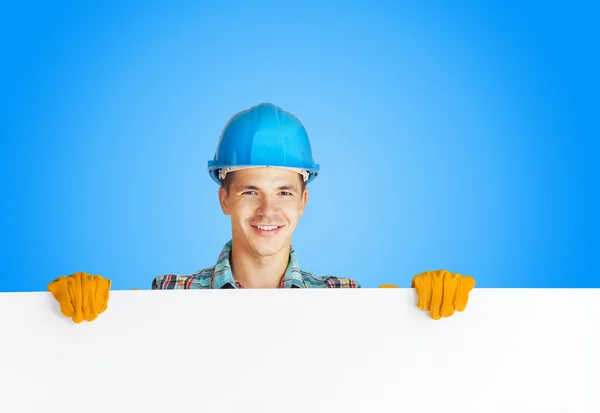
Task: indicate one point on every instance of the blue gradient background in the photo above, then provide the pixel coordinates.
(458, 136)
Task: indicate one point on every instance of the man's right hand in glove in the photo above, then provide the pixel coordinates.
(81, 296)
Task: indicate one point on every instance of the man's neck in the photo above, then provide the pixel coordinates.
(252, 271)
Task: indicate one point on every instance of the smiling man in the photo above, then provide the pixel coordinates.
(263, 164)
(265, 205)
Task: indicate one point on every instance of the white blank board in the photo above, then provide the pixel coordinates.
(314, 350)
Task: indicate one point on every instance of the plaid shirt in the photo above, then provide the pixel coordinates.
(220, 276)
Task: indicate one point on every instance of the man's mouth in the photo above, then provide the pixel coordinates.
(267, 227)
(266, 230)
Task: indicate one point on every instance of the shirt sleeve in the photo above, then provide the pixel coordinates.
(173, 282)
(341, 282)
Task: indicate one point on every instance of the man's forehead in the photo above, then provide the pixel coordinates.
(275, 177)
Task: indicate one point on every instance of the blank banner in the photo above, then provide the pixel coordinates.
(303, 350)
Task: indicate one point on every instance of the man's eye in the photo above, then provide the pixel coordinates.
(249, 193)
(286, 193)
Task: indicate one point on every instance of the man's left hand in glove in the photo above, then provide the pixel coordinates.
(441, 292)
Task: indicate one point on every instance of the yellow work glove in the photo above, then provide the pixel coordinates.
(441, 292)
(81, 296)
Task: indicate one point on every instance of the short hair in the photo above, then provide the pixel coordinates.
(228, 181)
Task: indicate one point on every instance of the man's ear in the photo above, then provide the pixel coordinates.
(224, 201)
(304, 200)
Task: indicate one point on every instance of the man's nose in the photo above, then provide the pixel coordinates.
(267, 204)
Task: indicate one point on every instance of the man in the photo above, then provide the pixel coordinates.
(263, 164)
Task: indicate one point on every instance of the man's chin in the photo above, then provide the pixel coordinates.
(266, 248)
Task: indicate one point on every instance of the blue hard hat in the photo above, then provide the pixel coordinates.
(264, 135)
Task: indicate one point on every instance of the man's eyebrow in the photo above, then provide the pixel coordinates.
(288, 188)
(255, 188)
(247, 188)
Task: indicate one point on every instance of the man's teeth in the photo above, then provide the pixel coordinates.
(267, 228)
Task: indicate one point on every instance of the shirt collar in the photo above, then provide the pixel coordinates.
(223, 275)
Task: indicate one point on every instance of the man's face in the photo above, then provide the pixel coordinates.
(265, 205)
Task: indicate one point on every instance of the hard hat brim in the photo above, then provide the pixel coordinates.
(214, 167)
